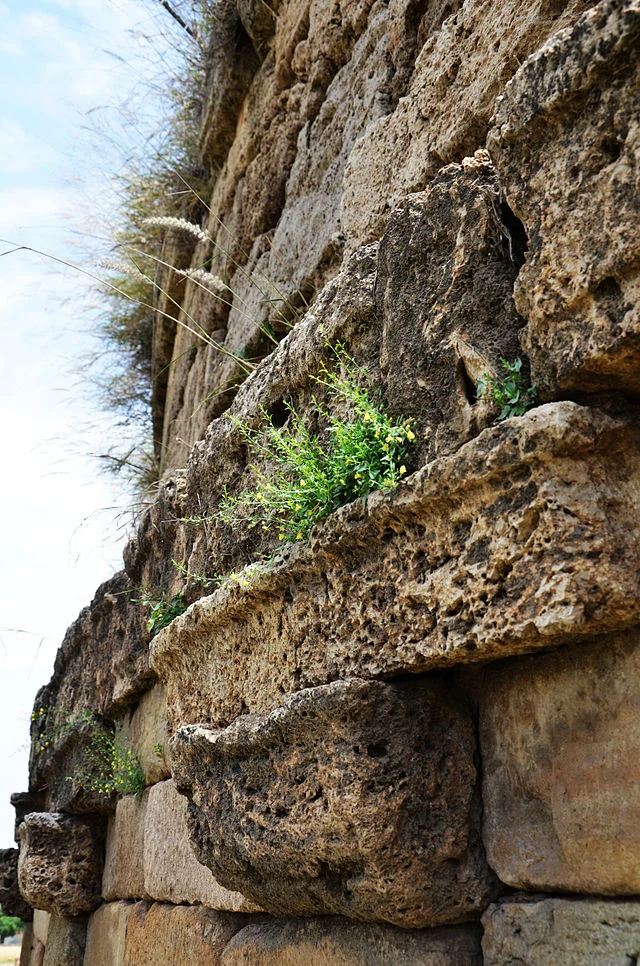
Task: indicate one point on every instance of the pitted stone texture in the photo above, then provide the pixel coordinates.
(561, 757)
(166, 935)
(60, 864)
(66, 940)
(526, 538)
(357, 798)
(147, 732)
(11, 901)
(338, 942)
(582, 932)
(172, 872)
(444, 290)
(106, 935)
(566, 142)
(123, 876)
(458, 74)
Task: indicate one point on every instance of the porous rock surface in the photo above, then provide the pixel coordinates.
(574, 932)
(340, 942)
(566, 143)
(159, 934)
(11, 902)
(561, 745)
(355, 798)
(60, 863)
(525, 538)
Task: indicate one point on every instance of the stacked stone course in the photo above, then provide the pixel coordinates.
(413, 738)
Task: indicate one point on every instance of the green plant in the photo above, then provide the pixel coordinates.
(9, 926)
(163, 609)
(111, 765)
(302, 481)
(511, 393)
(158, 749)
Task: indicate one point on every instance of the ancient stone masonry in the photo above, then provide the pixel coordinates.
(412, 736)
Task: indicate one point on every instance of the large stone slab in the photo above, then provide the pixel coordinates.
(460, 70)
(147, 734)
(566, 143)
(123, 876)
(11, 901)
(60, 863)
(561, 758)
(547, 932)
(358, 798)
(106, 935)
(166, 935)
(525, 538)
(338, 942)
(172, 873)
(66, 940)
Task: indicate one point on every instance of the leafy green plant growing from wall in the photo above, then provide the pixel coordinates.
(299, 481)
(110, 763)
(510, 394)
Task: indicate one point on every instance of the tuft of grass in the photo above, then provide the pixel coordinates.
(302, 481)
(510, 394)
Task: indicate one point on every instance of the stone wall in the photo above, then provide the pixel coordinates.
(413, 737)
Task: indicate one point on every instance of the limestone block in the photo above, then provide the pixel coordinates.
(41, 920)
(27, 944)
(66, 940)
(25, 802)
(172, 872)
(357, 798)
(338, 942)
(566, 142)
(527, 537)
(461, 69)
(11, 901)
(546, 932)
(166, 935)
(444, 290)
(123, 876)
(106, 935)
(148, 734)
(60, 863)
(33, 954)
(561, 746)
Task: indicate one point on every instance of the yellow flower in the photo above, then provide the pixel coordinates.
(402, 470)
(299, 536)
(410, 436)
(281, 536)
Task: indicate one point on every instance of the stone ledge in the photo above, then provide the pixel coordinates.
(358, 798)
(526, 538)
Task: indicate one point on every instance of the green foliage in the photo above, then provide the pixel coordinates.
(303, 482)
(110, 765)
(158, 749)
(510, 393)
(163, 609)
(9, 926)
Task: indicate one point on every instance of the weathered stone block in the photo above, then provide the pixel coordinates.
(26, 947)
(561, 751)
(123, 876)
(60, 864)
(25, 802)
(11, 901)
(172, 873)
(338, 942)
(546, 932)
(66, 940)
(41, 920)
(526, 538)
(165, 935)
(106, 935)
(147, 732)
(566, 143)
(358, 798)
(444, 287)
(460, 70)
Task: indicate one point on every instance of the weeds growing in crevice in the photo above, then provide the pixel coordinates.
(510, 394)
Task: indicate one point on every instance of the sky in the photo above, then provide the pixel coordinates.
(64, 65)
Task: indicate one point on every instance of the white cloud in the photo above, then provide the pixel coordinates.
(21, 151)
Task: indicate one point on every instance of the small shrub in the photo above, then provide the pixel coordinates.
(9, 926)
(510, 393)
(163, 609)
(304, 482)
